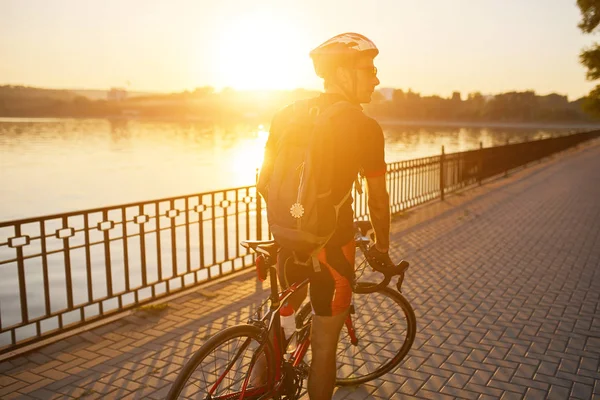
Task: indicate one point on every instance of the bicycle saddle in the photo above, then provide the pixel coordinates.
(266, 247)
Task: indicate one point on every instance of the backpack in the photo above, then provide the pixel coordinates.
(301, 211)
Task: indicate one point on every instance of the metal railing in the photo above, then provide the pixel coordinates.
(66, 270)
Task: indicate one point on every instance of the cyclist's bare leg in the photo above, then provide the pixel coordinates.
(324, 338)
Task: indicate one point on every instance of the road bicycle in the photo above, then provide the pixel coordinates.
(253, 360)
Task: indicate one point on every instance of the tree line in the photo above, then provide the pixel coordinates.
(524, 106)
(206, 103)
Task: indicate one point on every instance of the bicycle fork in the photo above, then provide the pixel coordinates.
(350, 326)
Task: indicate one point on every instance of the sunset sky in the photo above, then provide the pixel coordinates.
(433, 47)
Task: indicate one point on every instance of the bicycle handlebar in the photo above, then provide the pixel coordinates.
(363, 238)
(363, 235)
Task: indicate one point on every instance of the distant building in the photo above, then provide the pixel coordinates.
(388, 93)
(116, 94)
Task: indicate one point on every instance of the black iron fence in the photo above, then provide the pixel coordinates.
(66, 270)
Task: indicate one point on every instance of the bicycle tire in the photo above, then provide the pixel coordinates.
(209, 352)
(379, 353)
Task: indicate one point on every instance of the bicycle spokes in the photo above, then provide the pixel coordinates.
(227, 372)
(233, 361)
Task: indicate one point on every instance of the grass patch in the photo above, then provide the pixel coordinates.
(88, 392)
(401, 215)
(153, 308)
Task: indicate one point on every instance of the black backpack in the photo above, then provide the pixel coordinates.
(301, 210)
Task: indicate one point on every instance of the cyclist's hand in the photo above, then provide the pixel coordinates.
(379, 260)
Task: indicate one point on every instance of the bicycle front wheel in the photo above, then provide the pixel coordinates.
(235, 357)
(384, 326)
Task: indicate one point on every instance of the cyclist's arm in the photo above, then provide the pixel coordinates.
(379, 209)
(372, 152)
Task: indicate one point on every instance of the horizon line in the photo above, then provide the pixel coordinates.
(223, 88)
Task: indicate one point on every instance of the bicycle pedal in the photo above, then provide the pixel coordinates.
(352, 310)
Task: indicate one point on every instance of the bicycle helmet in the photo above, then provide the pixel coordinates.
(341, 50)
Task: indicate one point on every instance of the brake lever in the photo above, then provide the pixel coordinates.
(403, 266)
(399, 283)
(362, 239)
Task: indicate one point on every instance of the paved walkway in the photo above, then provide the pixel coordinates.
(504, 279)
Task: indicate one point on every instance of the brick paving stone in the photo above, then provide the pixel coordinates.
(17, 395)
(386, 389)
(434, 383)
(355, 393)
(481, 377)
(45, 394)
(12, 388)
(427, 394)
(6, 380)
(484, 390)
(588, 373)
(28, 377)
(504, 374)
(525, 371)
(458, 380)
(533, 394)
(553, 380)
(159, 394)
(530, 383)
(575, 378)
(460, 393)
(511, 396)
(557, 393)
(511, 387)
(581, 391)
(35, 386)
(54, 374)
(547, 368)
(411, 386)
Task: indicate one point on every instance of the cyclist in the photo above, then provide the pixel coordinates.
(345, 62)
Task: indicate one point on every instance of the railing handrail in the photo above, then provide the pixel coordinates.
(99, 209)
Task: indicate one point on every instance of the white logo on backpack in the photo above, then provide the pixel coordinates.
(297, 210)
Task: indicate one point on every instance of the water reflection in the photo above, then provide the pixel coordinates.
(57, 165)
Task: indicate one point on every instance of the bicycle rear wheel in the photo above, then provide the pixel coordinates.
(218, 370)
(385, 327)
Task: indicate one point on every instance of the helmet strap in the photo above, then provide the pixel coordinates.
(354, 86)
(352, 94)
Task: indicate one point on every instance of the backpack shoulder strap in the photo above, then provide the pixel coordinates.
(336, 108)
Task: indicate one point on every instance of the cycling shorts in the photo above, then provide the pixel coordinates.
(331, 287)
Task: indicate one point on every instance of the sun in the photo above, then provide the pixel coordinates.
(259, 51)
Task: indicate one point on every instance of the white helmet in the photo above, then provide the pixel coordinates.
(341, 50)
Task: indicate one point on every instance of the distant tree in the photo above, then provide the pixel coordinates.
(204, 91)
(590, 57)
(591, 104)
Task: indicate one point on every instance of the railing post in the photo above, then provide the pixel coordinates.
(506, 165)
(442, 174)
(258, 211)
(480, 175)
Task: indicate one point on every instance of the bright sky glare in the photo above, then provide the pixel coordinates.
(432, 47)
